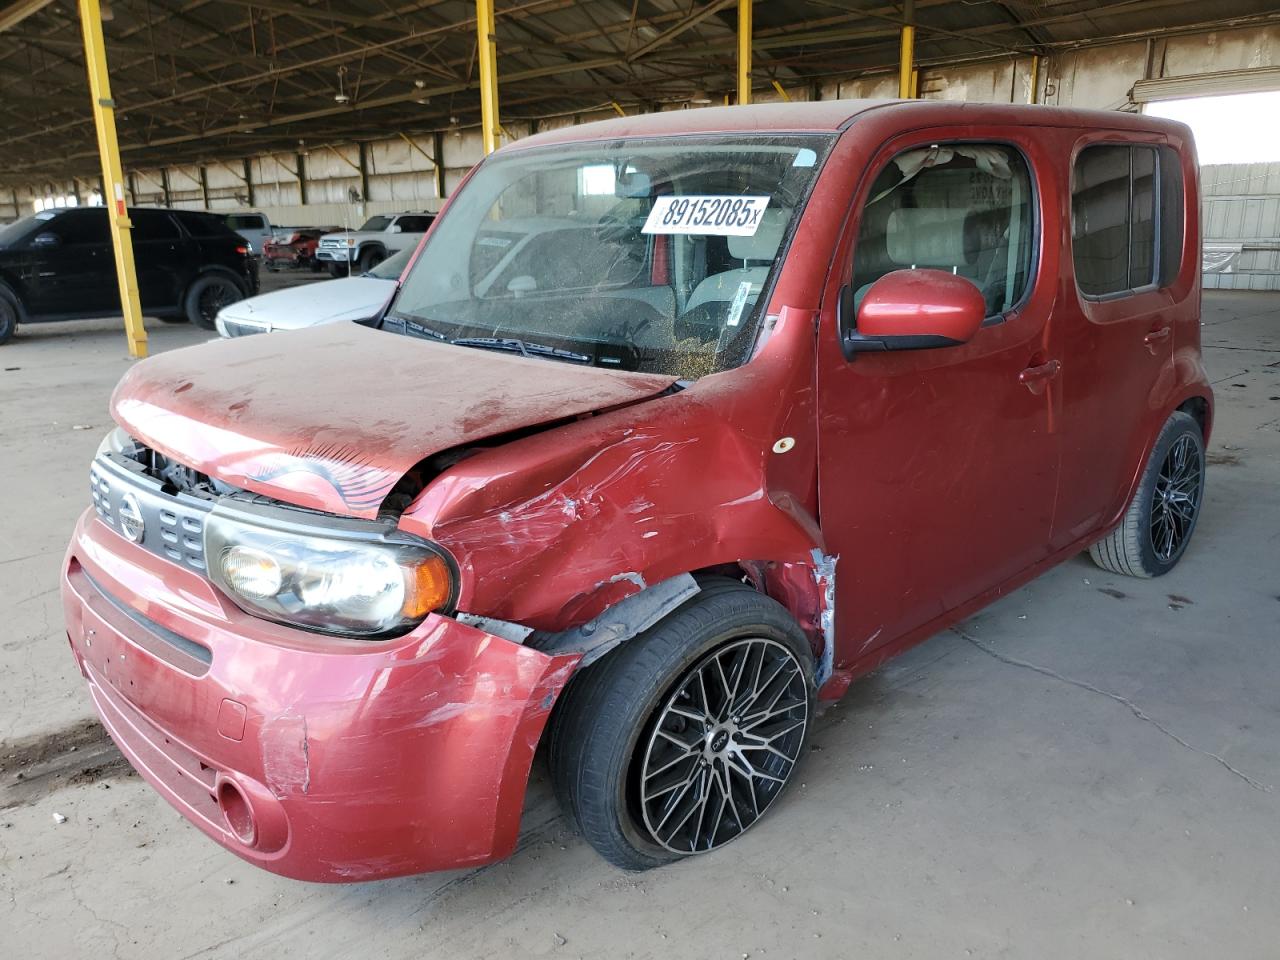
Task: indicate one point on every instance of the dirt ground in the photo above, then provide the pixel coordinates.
(1089, 768)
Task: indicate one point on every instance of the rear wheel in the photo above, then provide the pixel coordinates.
(207, 296)
(679, 741)
(8, 316)
(1162, 516)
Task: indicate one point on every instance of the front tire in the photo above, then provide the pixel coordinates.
(680, 740)
(1162, 516)
(209, 294)
(370, 259)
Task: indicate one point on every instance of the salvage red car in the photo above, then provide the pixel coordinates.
(299, 250)
(677, 424)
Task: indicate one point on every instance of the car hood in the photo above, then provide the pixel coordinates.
(332, 417)
(354, 298)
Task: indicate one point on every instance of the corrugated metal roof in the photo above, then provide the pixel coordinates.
(203, 79)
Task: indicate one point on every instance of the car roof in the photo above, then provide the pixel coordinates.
(833, 116)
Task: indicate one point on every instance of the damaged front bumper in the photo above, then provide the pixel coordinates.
(315, 758)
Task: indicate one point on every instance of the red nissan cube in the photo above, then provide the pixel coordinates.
(677, 424)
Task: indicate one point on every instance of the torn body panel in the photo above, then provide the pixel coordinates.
(550, 531)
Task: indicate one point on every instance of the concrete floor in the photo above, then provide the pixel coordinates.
(1089, 768)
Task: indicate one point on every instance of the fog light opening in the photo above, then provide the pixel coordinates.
(236, 812)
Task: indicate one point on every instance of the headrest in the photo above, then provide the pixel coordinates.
(768, 237)
(929, 237)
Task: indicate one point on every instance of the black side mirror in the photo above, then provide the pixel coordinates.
(47, 240)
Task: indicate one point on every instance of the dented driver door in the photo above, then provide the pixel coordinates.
(937, 467)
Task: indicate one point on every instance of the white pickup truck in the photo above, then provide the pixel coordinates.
(359, 251)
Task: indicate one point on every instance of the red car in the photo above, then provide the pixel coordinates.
(677, 423)
(298, 251)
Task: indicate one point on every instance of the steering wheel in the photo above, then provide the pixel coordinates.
(703, 322)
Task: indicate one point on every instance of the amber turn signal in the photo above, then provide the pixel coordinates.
(427, 587)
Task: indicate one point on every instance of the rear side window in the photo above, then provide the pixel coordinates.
(1126, 218)
(965, 208)
(153, 225)
(246, 221)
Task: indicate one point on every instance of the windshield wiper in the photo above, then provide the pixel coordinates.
(522, 347)
(415, 328)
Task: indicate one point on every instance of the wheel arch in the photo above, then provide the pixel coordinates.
(209, 269)
(806, 591)
(1201, 410)
(10, 291)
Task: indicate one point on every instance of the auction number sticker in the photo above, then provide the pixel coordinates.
(707, 215)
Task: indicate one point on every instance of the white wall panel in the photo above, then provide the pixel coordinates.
(1241, 206)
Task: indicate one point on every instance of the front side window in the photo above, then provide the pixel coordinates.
(1122, 239)
(414, 224)
(81, 227)
(647, 255)
(965, 208)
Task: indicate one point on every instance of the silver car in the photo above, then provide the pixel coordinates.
(352, 298)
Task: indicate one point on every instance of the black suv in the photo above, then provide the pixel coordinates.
(59, 265)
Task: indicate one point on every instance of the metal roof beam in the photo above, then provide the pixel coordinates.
(15, 13)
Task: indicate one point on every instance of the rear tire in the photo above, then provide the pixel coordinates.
(8, 315)
(1162, 516)
(613, 741)
(209, 294)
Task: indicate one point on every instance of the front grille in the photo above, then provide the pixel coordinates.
(172, 522)
(333, 244)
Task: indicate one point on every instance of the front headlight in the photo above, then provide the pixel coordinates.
(358, 578)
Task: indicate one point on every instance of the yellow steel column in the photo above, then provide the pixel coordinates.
(488, 75)
(906, 54)
(104, 116)
(744, 51)
(1034, 96)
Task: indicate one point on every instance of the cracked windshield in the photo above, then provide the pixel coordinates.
(637, 255)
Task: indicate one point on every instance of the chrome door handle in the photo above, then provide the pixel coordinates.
(1156, 337)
